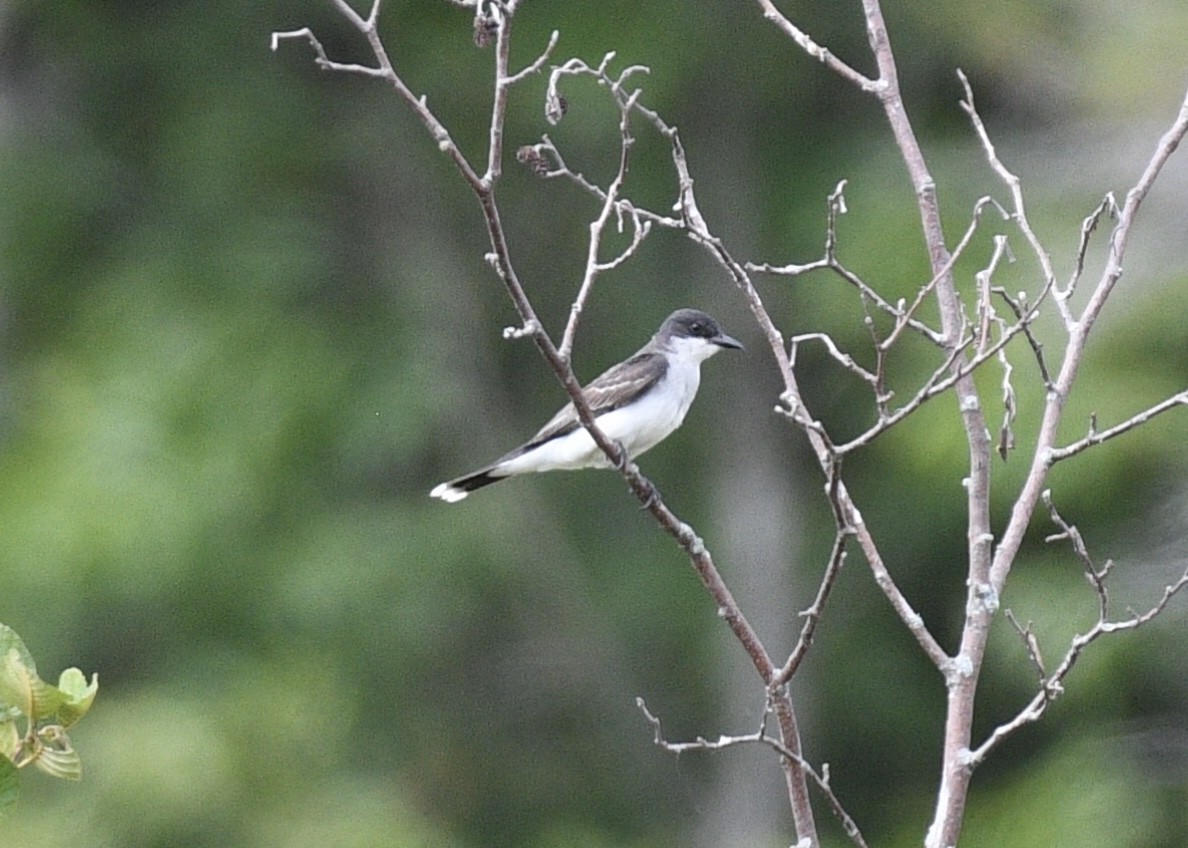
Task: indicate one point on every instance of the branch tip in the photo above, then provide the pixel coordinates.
(529, 328)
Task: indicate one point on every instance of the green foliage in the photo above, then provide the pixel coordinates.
(34, 716)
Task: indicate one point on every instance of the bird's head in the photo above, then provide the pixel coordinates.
(695, 334)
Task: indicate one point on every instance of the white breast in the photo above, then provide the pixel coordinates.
(644, 424)
(638, 426)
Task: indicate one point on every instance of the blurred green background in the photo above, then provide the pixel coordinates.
(245, 325)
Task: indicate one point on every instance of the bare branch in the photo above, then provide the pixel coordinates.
(500, 258)
(322, 59)
(941, 380)
(829, 260)
(351, 15)
(985, 311)
(837, 558)
(845, 359)
(759, 737)
(1046, 452)
(965, 344)
(1019, 213)
(816, 51)
(961, 672)
(938, 383)
(1120, 237)
(610, 202)
(501, 19)
(693, 224)
(546, 160)
(538, 64)
(1031, 643)
(836, 206)
(943, 271)
(790, 269)
(1010, 409)
(1024, 314)
(1096, 437)
(1053, 686)
(1107, 207)
(386, 72)
(1070, 533)
(987, 317)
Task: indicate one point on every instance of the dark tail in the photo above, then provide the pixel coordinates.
(456, 490)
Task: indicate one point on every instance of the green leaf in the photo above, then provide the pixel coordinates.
(78, 694)
(15, 688)
(56, 756)
(9, 640)
(20, 687)
(10, 737)
(9, 784)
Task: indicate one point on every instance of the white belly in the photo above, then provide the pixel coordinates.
(638, 426)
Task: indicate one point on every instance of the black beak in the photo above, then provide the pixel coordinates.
(723, 340)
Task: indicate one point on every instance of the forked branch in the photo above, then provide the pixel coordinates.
(760, 737)
(1051, 686)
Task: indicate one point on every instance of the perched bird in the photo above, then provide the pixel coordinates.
(638, 403)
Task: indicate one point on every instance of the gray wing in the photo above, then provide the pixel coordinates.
(612, 389)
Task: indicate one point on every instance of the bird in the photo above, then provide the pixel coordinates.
(637, 403)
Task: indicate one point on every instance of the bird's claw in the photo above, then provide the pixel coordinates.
(622, 462)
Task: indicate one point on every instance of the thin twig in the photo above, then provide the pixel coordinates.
(1030, 643)
(829, 260)
(1096, 437)
(1120, 237)
(816, 51)
(1070, 533)
(1046, 452)
(1053, 686)
(1107, 207)
(1019, 210)
(833, 567)
(640, 229)
(759, 737)
(988, 316)
(1022, 311)
(830, 345)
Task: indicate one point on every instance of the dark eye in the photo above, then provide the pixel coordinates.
(699, 329)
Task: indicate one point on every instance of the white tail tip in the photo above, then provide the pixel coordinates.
(448, 493)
